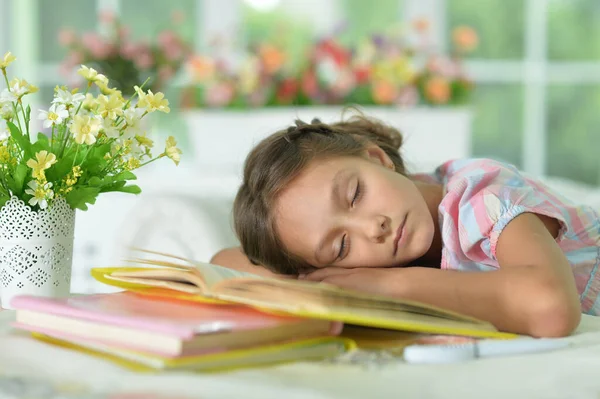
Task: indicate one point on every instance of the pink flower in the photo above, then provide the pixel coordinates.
(144, 60)
(166, 38)
(219, 94)
(174, 52)
(95, 45)
(129, 50)
(408, 97)
(344, 83)
(66, 37)
(258, 98)
(106, 17)
(443, 66)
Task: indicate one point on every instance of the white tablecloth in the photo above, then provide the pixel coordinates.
(32, 369)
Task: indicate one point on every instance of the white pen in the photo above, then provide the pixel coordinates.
(450, 353)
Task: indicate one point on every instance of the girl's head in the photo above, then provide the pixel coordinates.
(317, 195)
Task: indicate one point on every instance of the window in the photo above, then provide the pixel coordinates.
(537, 68)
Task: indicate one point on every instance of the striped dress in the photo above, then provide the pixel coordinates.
(482, 196)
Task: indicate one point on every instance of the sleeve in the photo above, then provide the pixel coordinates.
(488, 195)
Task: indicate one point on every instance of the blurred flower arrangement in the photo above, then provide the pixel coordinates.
(92, 145)
(126, 61)
(383, 70)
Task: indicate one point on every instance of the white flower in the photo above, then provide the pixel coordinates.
(109, 129)
(40, 194)
(8, 96)
(85, 129)
(67, 98)
(133, 116)
(20, 87)
(7, 110)
(54, 116)
(4, 131)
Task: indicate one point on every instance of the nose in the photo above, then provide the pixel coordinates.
(374, 228)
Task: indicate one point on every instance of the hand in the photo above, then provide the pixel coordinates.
(375, 280)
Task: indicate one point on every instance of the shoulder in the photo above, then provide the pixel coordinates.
(476, 168)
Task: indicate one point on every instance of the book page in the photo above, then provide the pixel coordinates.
(326, 301)
(215, 274)
(209, 273)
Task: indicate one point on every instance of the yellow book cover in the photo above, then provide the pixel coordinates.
(176, 277)
(300, 350)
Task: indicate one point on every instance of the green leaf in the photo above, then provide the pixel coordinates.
(96, 181)
(116, 186)
(126, 175)
(60, 169)
(22, 140)
(19, 176)
(80, 196)
(41, 144)
(3, 199)
(131, 189)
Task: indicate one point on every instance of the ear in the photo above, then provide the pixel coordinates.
(374, 153)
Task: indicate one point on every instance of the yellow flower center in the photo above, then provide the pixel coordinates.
(52, 116)
(86, 129)
(40, 193)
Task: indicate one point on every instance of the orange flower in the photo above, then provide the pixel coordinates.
(465, 38)
(272, 58)
(437, 90)
(421, 24)
(384, 92)
(201, 68)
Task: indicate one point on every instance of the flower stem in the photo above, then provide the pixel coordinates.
(65, 139)
(25, 121)
(52, 139)
(118, 120)
(152, 160)
(86, 92)
(75, 157)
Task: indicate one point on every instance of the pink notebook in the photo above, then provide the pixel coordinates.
(180, 321)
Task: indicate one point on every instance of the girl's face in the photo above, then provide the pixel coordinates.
(354, 212)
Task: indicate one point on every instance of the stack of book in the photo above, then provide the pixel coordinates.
(179, 314)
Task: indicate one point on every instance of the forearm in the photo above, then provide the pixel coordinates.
(522, 300)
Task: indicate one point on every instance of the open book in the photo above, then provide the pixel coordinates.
(176, 277)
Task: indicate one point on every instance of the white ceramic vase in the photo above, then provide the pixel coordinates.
(36, 250)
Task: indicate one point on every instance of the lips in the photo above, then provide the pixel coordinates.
(399, 234)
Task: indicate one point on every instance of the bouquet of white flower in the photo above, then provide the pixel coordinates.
(92, 145)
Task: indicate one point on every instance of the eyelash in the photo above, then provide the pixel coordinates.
(357, 195)
(342, 247)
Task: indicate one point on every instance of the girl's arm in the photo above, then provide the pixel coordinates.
(533, 292)
(234, 258)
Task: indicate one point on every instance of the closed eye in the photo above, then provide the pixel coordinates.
(342, 247)
(357, 194)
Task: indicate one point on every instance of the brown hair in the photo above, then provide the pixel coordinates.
(278, 159)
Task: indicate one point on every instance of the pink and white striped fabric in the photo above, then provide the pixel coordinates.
(481, 196)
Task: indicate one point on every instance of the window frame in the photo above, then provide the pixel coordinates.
(534, 71)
